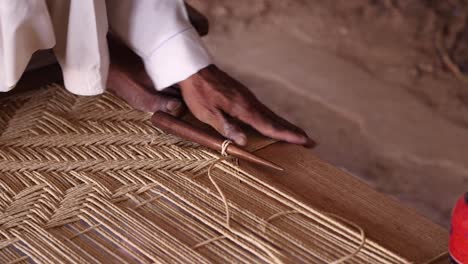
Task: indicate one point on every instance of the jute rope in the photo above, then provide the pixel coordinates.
(90, 180)
(342, 259)
(442, 256)
(224, 147)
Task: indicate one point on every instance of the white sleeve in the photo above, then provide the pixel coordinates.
(159, 31)
(80, 30)
(25, 27)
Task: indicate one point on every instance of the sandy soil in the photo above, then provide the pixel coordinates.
(364, 80)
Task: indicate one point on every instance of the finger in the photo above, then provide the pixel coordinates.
(226, 126)
(140, 98)
(173, 91)
(270, 124)
(170, 105)
(296, 131)
(233, 131)
(288, 126)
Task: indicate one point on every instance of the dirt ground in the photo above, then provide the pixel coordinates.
(379, 84)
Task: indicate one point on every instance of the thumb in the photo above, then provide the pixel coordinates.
(159, 102)
(125, 87)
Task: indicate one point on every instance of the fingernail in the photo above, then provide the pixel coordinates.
(310, 143)
(173, 105)
(241, 140)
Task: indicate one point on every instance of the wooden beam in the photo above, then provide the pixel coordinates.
(327, 188)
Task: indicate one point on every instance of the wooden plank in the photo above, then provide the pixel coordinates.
(327, 188)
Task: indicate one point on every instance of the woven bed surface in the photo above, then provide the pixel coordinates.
(88, 179)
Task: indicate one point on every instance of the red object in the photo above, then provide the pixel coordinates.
(458, 244)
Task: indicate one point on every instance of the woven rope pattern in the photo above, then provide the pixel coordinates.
(88, 179)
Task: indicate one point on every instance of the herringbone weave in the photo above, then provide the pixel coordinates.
(89, 180)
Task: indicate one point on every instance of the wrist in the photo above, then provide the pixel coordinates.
(202, 76)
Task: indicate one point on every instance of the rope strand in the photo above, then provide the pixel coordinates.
(271, 218)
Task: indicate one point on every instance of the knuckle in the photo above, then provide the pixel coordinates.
(249, 107)
(241, 105)
(207, 115)
(228, 128)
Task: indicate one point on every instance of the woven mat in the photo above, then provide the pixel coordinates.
(88, 180)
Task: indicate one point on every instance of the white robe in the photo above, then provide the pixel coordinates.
(157, 30)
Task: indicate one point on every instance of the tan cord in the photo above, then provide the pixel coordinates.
(201, 244)
(271, 218)
(224, 147)
(342, 259)
(437, 258)
(362, 239)
(269, 250)
(84, 231)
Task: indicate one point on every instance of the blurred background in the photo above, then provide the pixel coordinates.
(380, 84)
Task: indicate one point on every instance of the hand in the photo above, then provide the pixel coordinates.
(219, 100)
(211, 95)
